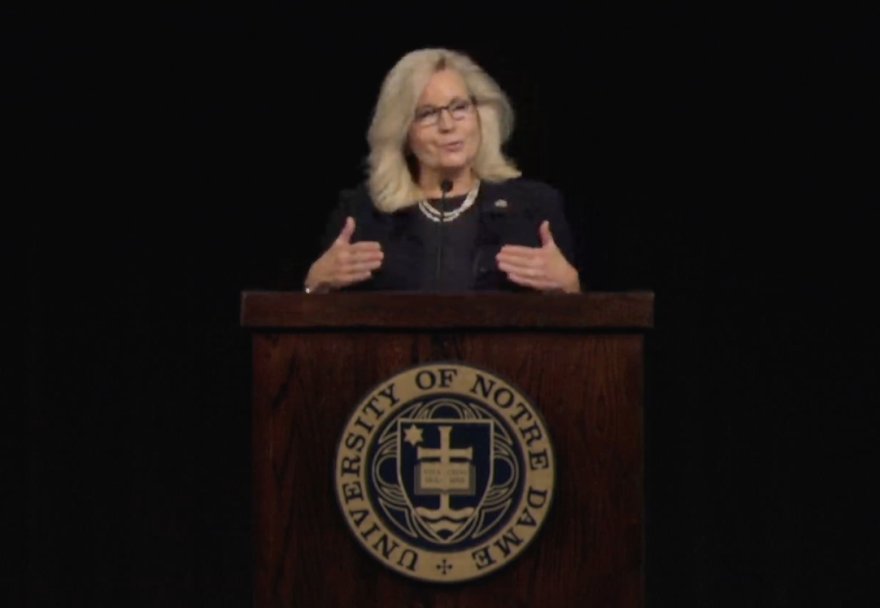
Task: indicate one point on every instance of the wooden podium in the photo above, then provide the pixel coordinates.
(579, 358)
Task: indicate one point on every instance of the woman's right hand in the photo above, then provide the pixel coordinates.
(344, 263)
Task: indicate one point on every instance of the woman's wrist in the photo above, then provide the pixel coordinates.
(573, 284)
(313, 284)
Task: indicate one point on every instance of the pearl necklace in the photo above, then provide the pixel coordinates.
(435, 216)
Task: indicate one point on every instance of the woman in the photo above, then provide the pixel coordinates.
(443, 209)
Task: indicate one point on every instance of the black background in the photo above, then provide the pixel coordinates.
(725, 160)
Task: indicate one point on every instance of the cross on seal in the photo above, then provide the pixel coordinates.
(444, 567)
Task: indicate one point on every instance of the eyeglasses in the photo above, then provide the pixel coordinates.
(459, 109)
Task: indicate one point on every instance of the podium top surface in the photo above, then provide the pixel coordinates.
(607, 310)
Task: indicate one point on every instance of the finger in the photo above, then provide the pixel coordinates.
(518, 257)
(347, 230)
(355, 277)
(363, 252)
(531, 272)
(519, 262)
(519, 250)
(540, 284)
(360, 267)
(369, 256)
(546, 236)
(345, 256)
(366, 246)
(507, 266)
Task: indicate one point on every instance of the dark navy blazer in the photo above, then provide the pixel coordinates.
(510, 213)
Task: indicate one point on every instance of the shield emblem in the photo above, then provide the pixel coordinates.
(444, 467)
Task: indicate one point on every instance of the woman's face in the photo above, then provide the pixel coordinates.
(445, 133)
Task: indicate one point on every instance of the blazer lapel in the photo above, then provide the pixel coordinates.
(495, 214)
(499, 220)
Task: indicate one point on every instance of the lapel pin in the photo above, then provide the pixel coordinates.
(501, 204)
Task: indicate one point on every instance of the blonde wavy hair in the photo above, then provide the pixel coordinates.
(390, 179)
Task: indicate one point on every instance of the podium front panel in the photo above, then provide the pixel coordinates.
(587, 383)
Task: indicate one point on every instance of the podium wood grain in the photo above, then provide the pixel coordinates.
(586, 382)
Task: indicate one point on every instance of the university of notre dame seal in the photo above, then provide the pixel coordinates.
(445, 472)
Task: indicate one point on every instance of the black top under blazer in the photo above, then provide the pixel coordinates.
(505, 213)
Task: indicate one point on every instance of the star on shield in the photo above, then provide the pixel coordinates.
(413, 435)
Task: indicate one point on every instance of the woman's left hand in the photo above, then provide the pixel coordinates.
(543, 268)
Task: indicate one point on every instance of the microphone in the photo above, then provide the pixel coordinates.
(445, 187)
